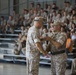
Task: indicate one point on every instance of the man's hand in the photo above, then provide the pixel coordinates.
(48, 38)
(45, 53)
(40, 48)
(42, 38)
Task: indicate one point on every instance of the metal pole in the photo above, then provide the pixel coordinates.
(75, 1)
(27, 4)
(8, 7)
(0, 5)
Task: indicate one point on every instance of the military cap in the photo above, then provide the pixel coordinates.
(41, 19)
(57, 23)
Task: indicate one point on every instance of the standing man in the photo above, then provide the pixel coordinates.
(33, 47)
(57, 47)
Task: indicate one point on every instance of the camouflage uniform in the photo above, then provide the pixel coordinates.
(58, 62)
(32, 53)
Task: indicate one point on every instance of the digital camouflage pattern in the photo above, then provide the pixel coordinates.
(58, 62)
(32, 53)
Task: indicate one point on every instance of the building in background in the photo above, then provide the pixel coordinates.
(7, 6)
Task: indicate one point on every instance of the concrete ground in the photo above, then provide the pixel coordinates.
(20, 69)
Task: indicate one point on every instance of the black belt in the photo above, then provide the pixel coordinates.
(58, 52)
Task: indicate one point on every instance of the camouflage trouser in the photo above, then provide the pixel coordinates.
(32, 66)
(58, 65)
